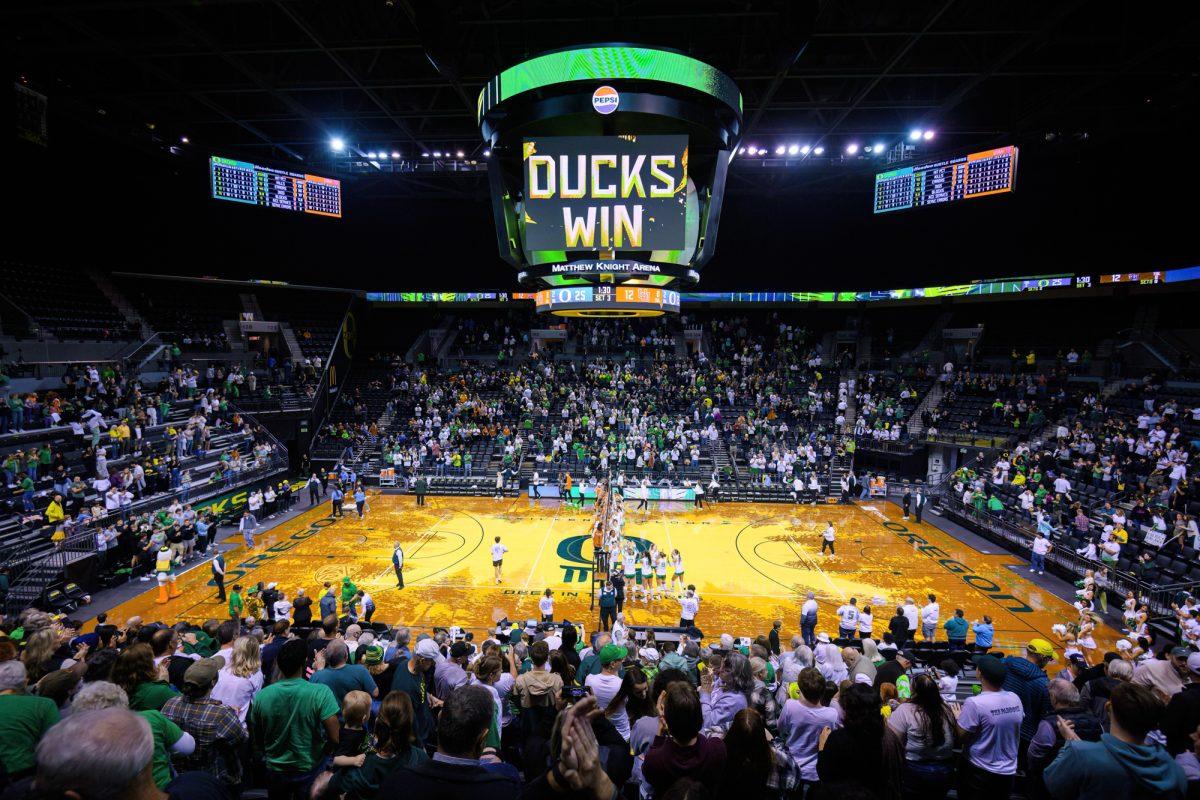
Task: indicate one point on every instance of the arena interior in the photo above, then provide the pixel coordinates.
(443, 399)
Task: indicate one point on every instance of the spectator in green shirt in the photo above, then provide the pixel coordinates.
(994, 504)
(80, 759)
(393, 750)
(236, 604)
(144, 683)
(290, 722)
(26, 492)
(409, 678)
(23, 720)
(168, 737)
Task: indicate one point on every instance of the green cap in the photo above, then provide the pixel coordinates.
(611, 652)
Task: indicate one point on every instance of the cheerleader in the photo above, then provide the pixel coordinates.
(677, 571)
(1130, 612)
(1085, 639)
(1085, 603)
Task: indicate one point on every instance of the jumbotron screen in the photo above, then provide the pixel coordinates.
(254, 184)
(973, 175)
(605, 193)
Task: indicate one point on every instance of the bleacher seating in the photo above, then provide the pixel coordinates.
(65, 301)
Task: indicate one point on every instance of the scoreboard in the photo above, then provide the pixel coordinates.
(243, 182)
(973, 175)
(606, 300)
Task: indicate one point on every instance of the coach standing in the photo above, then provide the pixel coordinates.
(398, 565)
(314, 489)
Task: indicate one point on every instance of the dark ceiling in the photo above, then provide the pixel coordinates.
(1083, 87)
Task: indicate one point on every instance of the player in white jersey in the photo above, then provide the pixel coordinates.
(676, 570)
(660, 575)
(646, 572)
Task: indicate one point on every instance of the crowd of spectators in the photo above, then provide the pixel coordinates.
(306, 706)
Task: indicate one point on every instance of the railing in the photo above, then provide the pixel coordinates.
(1071, 564)
(34, 572)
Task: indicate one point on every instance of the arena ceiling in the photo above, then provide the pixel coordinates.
(280, 78)
(1092, 92)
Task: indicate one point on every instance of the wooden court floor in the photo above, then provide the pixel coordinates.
(751, 564)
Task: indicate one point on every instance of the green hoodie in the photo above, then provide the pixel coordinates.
(1111, 769)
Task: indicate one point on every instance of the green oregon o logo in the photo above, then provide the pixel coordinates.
(571, 548)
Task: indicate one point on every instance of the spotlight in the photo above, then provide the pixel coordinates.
(437, 153)
(879, 149)
(395, 154)
(184, 139)
(383, 155)
(805, 150)
(741, 151)
(852, 148)
(753, 150)
(780, 150)
(372, 155)
(487, 153)
(337, 143)
(424, 155)
(914, 134)
(793, 150)
(459, 154)
(927, 135)
(818, 151)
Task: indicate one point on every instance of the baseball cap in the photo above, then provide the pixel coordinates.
(427, 648)
(726, 642)
(823, 638)
(907, 655)
(1040, 647)
(204, 671)
(992, 668)
(1182, 652)
(611, 652)
(460, 649)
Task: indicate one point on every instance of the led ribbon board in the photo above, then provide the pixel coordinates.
(609, 63)
(253, 184)
(973, 175)
(607, 301)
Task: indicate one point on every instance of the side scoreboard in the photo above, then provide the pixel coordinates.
(243, 182)
(973, 175)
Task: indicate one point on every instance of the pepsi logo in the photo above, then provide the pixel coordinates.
(605, 100)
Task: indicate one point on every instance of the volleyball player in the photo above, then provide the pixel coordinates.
(676, 570)
(660, 575)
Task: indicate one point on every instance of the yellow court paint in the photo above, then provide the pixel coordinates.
(751, 564)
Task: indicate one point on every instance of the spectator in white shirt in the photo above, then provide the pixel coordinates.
(929, 618)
